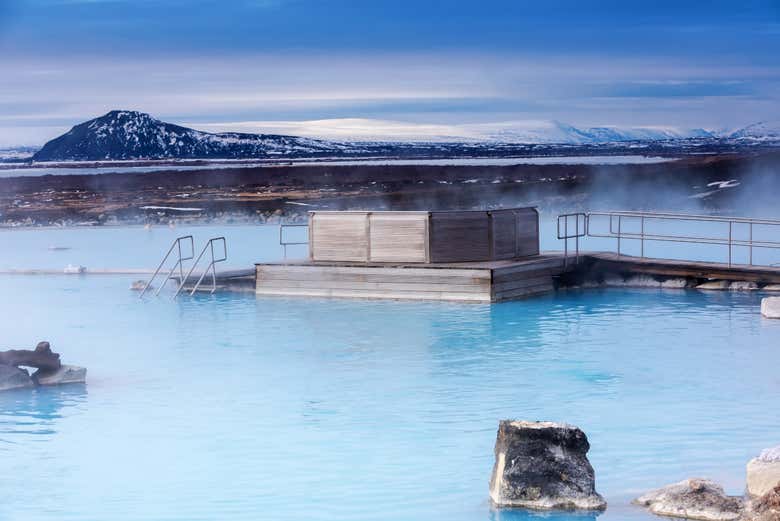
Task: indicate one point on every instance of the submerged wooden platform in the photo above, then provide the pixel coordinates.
(227, 280)
(600, 263)
(488, 281)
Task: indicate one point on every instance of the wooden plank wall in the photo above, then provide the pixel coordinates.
(514, 233)
(527, 230)
(462, 285)
(525, 279)
(423, 237)
(338, 236)
(459, 236)
(368, 236)
(503, 234)
(398, 236)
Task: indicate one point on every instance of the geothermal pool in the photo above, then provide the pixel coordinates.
(234, 407)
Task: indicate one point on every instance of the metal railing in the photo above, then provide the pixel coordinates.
(283, 243)
(633, 226)
(176, 248)
(572, 232)
(209, 247)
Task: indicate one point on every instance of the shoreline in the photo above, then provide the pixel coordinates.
(258, 195)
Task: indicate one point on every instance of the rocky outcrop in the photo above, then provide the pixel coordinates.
(714, 285)
(675, 283)
(735, 285)
(66, 374)
(50, 370)
(764, 508)
(743, 285)
(138, 285)
(763, 472)
(770, 307)
(42, 357)
(693, 499)
(14, 378)
(543, 465)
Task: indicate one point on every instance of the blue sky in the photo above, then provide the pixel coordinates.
(272, 64)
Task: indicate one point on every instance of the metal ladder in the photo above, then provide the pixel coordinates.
(209, 247)
(177, 248)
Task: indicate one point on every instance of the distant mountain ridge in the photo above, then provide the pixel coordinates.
(549, 132)
(120, 135)
(135, 135)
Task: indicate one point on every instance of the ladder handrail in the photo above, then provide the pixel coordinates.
(284, 244)
(211, 266)
(179, 263)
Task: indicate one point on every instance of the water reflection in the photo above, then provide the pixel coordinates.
(519, 514)
(37, 411)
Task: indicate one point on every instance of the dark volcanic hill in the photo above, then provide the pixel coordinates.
(135, 135)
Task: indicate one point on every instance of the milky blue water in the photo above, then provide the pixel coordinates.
(236, 407)
(136, 247)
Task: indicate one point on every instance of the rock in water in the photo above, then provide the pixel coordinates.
(763, 472)
(770, 307)
(693, 499)
(714, 285)
(66, 374)
(743, 285)
(765, 508)
(139, 285)
(14, 378)
(543, 465)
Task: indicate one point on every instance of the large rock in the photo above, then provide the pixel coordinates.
(66, 374)
(543, 465)
(763, 472)
(770, 307)
(765, 508)
(693, 499)
(716, 285)
(14, 378)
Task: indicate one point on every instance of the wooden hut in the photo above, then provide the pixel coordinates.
(423, 237)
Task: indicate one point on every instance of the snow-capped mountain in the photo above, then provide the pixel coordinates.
(761, 131)
(517, 132)
(548, 132)
(122, 135)
(135, 135)
(14, 154)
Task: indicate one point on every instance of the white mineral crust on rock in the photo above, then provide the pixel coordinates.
(763, 472)
(770, 307)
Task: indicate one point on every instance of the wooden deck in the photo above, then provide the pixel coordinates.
(489, 281)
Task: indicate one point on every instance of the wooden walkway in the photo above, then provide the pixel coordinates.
(493, 281)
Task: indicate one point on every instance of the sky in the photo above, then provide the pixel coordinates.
(375, 68)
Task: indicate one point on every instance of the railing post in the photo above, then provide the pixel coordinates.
(642, 240)
(751, 243)
(577, 240)
(620, 221)
(565, 241)
(730, 223)
(281, 241)
(213, 269)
